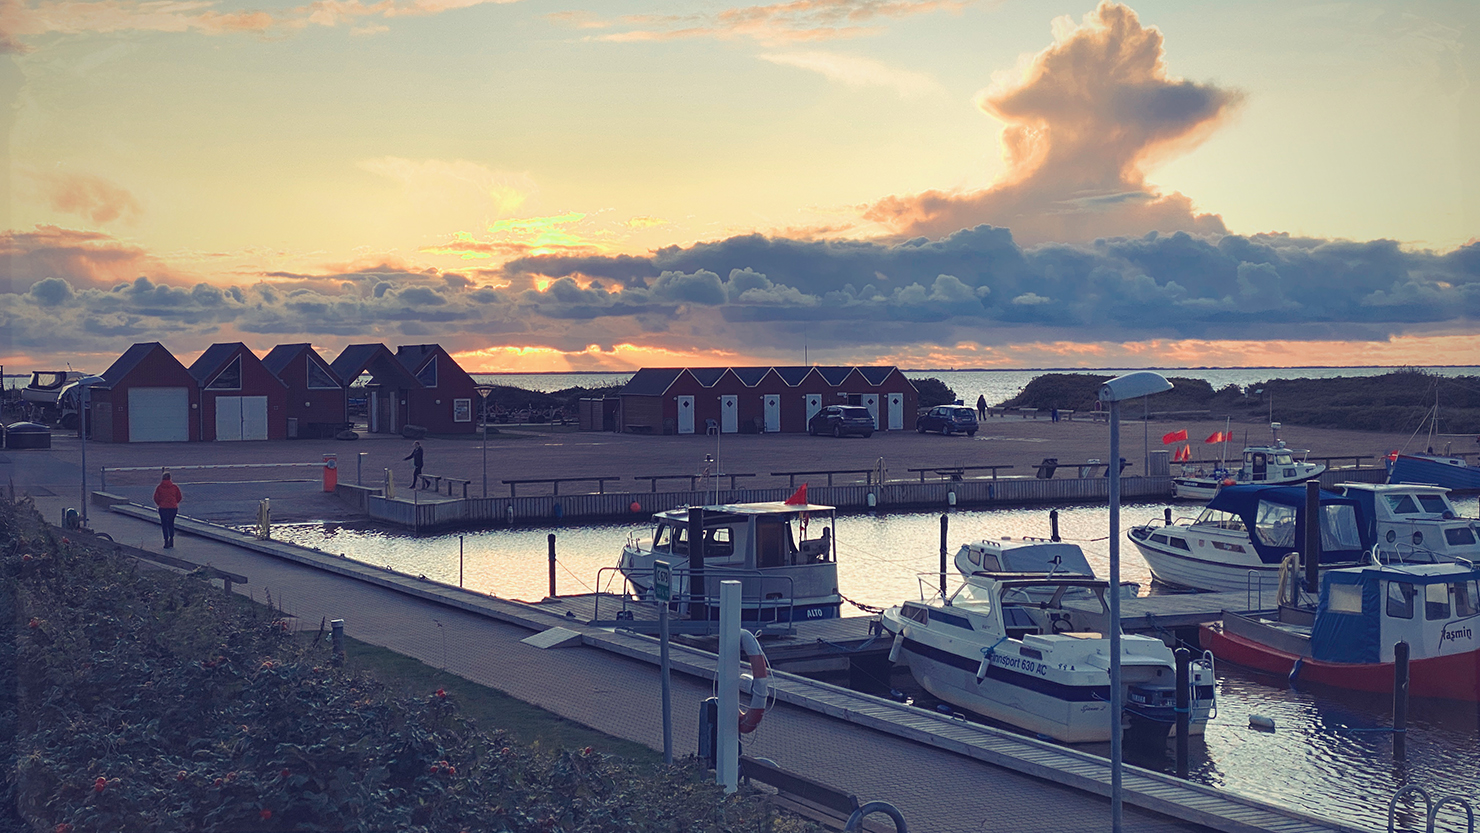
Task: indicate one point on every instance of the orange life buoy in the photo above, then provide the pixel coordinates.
(760, 683)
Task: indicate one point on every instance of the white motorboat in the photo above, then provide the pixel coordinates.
(785, 576)
(1242, 536)
(46, 385)
(1005, 646)
(1031, 555)
(1415, 524)
(1266, 465)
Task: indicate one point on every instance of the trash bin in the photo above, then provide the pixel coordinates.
(27, 435)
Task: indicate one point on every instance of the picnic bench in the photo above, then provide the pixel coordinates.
(556, 481)
(434, 482)
(955, 472)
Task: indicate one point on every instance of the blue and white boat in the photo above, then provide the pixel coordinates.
(1453, 473)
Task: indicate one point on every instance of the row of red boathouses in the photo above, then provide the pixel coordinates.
(228, 393)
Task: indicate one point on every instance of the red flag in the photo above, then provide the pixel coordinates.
(1219, 437)
(1174, 437)
(1186, 452)
(799, 497)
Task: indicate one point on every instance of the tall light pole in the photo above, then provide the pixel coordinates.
(84, 386)
(483, 392)
(1115, 391)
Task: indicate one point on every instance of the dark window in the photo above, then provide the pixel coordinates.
(1436, 602)
(1179, 543)
(1160, 539)
(319, 378)
(428, 374)
(230, 377)
(1459, 536)
(1400, 600)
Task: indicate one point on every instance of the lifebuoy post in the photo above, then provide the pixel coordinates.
(331, 472)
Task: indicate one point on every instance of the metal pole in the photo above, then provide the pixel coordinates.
(728, 679)
(485, 446)
(1184, 707)
(82, 432)
(459, 561)
(944, 521)
(1117, 699)
(551, 540)
(666, 674)
(359, 467)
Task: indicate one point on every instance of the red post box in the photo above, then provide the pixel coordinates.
(331, 472)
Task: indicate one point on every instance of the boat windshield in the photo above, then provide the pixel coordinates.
(1220, 519)
(1284, 459)
(675, 539)
(47, 378)
(1275, 524)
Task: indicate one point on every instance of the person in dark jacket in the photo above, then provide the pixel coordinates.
(415, 457)
(981, 407)
(167, 497)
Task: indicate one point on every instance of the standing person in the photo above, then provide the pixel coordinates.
(981, 407)
(415, 457)
(167, 497)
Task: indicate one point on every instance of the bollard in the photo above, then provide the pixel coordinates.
(336, 641)
(944, 520)
(1166, 515)
(1184, 707)
(873, 500)
(1053, 525)
(389, 489)
(551, 541)
(1400, 700)
(709, 732)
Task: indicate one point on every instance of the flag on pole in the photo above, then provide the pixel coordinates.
(1186, 453)
(1219, 437)
(1174, 437)
(799, 497)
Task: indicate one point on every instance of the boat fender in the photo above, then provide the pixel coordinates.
(981, 670)
(1259, 721)
(894, 649)
(760, 683)
(1295, 671)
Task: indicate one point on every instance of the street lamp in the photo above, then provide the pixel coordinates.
(483, 391)
(1115, 391)
(84, 385)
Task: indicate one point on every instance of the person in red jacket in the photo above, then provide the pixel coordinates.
(167, 497)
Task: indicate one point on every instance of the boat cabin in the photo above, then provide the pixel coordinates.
(1414, 524)
(1273, 518)
(1435, 608)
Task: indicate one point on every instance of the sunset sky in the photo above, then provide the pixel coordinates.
(550, 185)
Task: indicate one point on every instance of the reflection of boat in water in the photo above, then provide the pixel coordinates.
(784, 576)
(1414, 524)
(1005, 646)
(1347, 639)
(1266, 465)
(1243, 535)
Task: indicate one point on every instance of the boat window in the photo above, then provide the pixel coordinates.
(914, 612)
(989, 563)
(717, 543)
(1400, 599)
(1159, 538)
(1435, 504)
(1436, 602)
(1464, 598)
(1339, 529)
(973, 556)
(1221, 519)
(1275, 524)
(1284, 460)
(1179, 544)
(1402, 504)
(1219, 545)
(1344, 598)
(1459, 536)
(663, 538)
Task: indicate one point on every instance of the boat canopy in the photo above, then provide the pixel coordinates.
(1275, 518)
(1348, 626)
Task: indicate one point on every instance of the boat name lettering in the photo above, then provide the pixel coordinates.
(1027, 666)
(1455, 635)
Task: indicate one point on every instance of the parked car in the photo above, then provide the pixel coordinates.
(840, 420)
(948, 420)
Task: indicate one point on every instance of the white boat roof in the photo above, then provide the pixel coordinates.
(1396, 487)
(775, 507)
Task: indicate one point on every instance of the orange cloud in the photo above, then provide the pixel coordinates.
(1086, 119)
(795, 21)
(619, 358)
(85, 195)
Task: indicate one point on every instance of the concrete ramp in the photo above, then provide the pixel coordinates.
(556, 637)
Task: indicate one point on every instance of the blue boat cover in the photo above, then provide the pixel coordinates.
(1244, 501)
(1340, 636)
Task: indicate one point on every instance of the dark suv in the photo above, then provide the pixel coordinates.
(840, 420)
(948, 420)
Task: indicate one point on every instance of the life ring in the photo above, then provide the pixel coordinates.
(760, 683)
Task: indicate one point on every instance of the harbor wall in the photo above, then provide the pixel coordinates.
(436, 513)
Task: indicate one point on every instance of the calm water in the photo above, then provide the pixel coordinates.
(1323, 757)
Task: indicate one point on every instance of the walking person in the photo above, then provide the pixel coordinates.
(167, 497)
(981, 406)
(415, 457)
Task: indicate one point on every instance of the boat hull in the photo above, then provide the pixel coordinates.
(1191, 572)
(1203, 488)
(1433, 472)
(1453, 677)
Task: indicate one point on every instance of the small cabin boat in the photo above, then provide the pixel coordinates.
(46, 385)
(782, 554)
(1263, 465)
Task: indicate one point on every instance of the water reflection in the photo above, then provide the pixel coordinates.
(1330, 754)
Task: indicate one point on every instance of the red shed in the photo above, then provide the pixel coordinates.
(385, 382)
(316, 399)
(239, 398)
(148, 397)
(444, 402)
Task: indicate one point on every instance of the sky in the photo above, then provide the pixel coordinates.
(542, 185)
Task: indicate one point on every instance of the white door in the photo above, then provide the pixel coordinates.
(896, 412)
(228, 418)
(729, 414)
(814, 404)
(254, 417)
(772, 408)
(685, 414)
(158, 415)
(871, 401)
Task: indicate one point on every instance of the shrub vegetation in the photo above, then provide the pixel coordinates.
(144, 700)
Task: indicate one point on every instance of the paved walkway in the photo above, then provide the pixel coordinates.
(935, 790)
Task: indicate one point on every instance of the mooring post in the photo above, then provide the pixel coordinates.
(1053, 525)
(944, 521)
(1166, 515)
(1184, 707)
(551, 540)
(1400, 700)
(336, 641)
(1312, 535)
(459, 561)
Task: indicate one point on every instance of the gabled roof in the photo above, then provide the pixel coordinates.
(707, 376)
(834, 375)
(875, 374)
(279, 357)
(213, 359)
(130, 360)
(793, 375)
(413, 356)
(651, 381)
(751, 376)
(378, 359)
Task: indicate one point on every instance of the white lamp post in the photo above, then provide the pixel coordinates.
(483, 391)
(84, 386)
(1115, 391)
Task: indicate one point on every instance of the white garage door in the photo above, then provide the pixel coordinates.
(241, 418)
(158, 415)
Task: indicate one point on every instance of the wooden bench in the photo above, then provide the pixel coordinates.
(955, 472)
(455, 480)
(556, 481)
